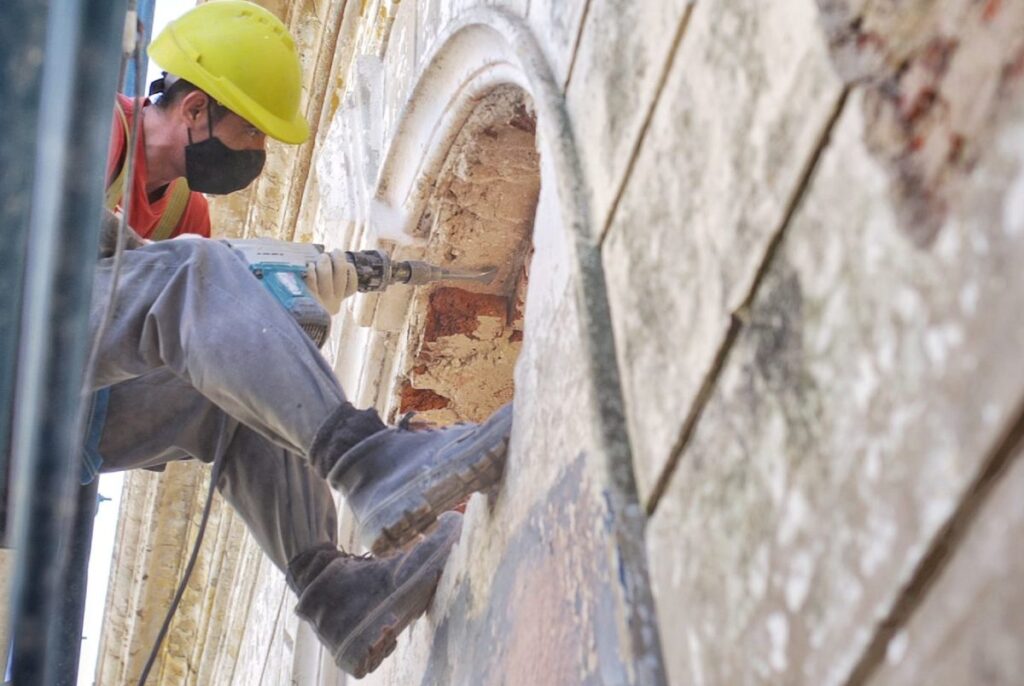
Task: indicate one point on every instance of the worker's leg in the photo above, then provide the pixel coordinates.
(157, 418)
(398, 481)
(357, 605)
(287, 508)
(194, 308)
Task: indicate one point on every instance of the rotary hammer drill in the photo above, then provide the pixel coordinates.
(281, 266)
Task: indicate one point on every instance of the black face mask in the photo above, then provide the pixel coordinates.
(214, 168)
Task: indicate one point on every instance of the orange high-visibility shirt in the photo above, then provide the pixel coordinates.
(144, 213)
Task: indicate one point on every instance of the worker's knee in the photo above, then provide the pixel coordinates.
(201, 254)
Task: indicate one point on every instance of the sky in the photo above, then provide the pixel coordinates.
(105, 527)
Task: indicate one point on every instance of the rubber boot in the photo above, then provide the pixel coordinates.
(397, 481)
(358, 605)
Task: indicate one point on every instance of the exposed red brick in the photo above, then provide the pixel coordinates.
(522, 285)
(868, 40)
(917, 122)
(938, 53)
(1013, 70)
(523, 119)
(420, 399)
(991, 9)
(956, 148)
(455, 311)
(919, 105)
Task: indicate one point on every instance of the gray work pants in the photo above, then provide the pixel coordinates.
(203, 363)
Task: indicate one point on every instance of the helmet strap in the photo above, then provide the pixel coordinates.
(209, 121)
(209, 114)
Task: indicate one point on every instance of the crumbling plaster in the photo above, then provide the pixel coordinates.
(458, 363)
(936, 75)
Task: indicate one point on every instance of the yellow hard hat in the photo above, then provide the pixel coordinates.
(243, 57)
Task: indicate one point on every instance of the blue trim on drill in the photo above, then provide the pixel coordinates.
(284, 281)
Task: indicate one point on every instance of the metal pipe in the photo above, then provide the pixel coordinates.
(22, 31)
(79, 78)
(145, 10)
(76, 581)
(76, 577)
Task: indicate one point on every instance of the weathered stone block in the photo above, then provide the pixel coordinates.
(937, 73)
(434, 16)
(269, 600)
(867, 386)
(437, 15)
(724, 155)
(556, 24)
(400, 62)
(622, 55)
(969, 628)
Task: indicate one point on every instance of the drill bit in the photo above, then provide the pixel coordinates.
(480, 275)
(416, 273)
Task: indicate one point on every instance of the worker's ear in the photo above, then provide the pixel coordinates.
(193, 106)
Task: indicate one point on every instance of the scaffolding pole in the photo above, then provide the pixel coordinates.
(80, 61)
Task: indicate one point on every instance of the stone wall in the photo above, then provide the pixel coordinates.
(760, 306)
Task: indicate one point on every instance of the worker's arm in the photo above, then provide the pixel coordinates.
(331, 279)
(108, 235)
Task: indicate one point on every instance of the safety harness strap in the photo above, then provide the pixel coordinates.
(179, 193)
(116, 188)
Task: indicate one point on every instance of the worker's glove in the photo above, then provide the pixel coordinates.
(108, 235)
(332, 278)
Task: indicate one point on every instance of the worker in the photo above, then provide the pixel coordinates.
(199, 361)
